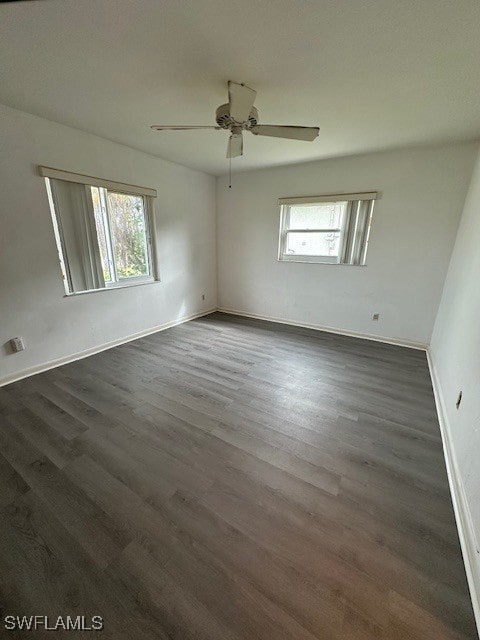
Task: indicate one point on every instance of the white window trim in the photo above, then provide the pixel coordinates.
(133, 281)
(125, 285)
(119, 282)
(349, 198)
(298, 257)
(117, 187)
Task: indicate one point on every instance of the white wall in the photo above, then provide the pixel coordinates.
(32, 302)
(455, 352)
(415, 221)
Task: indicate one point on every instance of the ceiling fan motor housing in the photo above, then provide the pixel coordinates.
(225, 120)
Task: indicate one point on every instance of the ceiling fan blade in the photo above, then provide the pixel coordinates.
(167, 127)
(241, 99)
(278, 131)
(235, 145)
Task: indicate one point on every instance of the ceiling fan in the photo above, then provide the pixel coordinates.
(239, 115)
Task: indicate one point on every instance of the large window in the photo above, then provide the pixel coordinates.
(104, 231)
(331, 229)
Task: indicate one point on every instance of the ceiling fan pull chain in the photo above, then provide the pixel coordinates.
(230, 173)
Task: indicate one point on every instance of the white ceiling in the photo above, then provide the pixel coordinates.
(372, 74)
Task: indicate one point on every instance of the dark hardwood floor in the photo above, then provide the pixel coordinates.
(232, 479)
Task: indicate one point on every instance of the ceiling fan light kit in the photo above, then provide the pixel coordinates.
(239, 115)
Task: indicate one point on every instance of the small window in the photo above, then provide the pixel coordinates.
(103, 233)
(330, 229)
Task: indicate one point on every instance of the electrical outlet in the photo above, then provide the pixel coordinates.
(459, 399)
(375, 316)
(17, 344)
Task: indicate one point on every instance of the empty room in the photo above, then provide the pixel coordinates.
(240, 320)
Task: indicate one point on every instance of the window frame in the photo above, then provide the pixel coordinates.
(348, 233)
(284, 232)
(132, 280)
(147, 196)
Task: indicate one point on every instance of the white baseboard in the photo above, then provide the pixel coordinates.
(466, 531)
(25, 373)
(19, 375)
(317, 327)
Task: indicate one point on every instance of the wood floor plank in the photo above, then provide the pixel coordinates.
(33, 542)
(12, 484)
(314, 605)
(232, 479)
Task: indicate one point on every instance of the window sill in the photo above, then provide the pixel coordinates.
(328, 262)
(126, 285)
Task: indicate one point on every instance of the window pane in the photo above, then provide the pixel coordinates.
(326, 215)
(127, 225)
(100, 219)
(313, 244)
(94, 230)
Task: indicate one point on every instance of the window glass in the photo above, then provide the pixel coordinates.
(103, 235)
(127, 224)
(322, 243)
(333, 232)
(321, 216)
